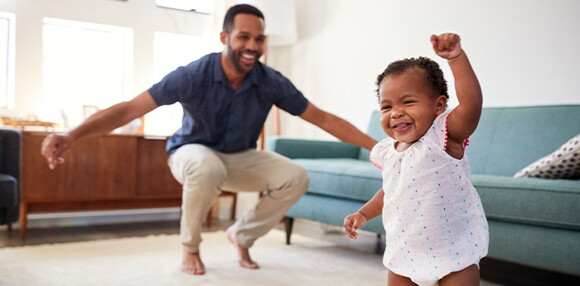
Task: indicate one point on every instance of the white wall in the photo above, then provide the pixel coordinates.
(525, 52)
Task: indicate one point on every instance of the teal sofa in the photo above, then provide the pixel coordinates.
(532, 222)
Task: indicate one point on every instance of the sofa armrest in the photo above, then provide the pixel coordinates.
(300, 148)
(10, 150)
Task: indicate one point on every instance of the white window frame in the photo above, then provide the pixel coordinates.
(7, 92)
(198, 6)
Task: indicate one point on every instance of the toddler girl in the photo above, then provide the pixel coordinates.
(436, 231)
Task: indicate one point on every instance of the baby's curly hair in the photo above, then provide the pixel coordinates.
(433, 74)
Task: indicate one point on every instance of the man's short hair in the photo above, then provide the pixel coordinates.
(239, 9)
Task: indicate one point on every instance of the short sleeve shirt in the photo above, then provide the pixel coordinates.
(216, 115)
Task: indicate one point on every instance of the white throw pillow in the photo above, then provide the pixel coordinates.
(563, 163)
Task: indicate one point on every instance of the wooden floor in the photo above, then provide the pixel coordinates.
(493, 272)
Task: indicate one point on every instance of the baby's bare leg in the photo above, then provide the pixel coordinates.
(395, 279)
(466, 277)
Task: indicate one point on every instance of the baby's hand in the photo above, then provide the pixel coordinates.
(447, 45)
(352, 223)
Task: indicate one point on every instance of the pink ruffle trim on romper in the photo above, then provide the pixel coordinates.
(375, 164)
(465, 143)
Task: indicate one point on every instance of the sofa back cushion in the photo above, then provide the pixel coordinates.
(375, 131)
(508, 139)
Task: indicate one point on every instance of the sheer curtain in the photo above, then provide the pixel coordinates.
(7, 24)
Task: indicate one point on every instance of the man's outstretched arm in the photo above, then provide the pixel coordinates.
(102, 122)
(337, 126)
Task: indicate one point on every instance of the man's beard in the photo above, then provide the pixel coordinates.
(236, 61)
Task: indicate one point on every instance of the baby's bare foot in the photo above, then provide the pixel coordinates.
(192, 264)
(245, 259)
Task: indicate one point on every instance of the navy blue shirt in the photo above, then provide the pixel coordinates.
(216, 115)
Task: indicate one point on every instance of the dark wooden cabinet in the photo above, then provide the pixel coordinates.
(117, 171)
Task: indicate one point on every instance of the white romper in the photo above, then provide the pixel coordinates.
(432, 214)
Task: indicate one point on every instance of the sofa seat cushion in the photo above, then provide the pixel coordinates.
(342, 178)
(530, 201)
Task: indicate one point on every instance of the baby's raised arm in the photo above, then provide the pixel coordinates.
(463, 120)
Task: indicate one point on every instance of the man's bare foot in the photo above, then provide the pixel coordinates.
(245, 259)
(191, 263)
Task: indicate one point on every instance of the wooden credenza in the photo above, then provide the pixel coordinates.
(117, 171)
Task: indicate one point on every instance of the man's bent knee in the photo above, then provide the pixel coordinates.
(208, 170)
(295, 179)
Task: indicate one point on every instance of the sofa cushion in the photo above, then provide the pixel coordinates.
(530, 201)
(331, 211)
(536, 246)
(563, 163)
(509, 138)
(342, 178)
(375, 130)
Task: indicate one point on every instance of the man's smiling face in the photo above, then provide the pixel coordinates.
(245, 42)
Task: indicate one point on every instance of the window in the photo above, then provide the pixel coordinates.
(199, 6)
(84, 64)
(7, 45)
(171, 51)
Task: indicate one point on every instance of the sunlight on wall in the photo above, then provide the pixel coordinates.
(171, 51)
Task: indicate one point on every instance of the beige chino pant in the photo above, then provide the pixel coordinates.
(203, 172)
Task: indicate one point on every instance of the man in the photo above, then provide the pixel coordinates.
(226, 98)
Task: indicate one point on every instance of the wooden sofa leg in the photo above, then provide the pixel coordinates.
(288, 223)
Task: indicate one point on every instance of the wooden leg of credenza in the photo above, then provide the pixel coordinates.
(209, 217)
(23, 220)
(234, 206)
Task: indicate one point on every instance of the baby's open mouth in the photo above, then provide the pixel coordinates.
(402, 127)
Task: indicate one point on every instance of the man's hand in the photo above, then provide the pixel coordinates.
(53, 146)
(352, 223)
(447, 45)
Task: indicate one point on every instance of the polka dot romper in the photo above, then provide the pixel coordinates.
(432, 214)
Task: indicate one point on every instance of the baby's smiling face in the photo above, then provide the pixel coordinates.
(408, 106)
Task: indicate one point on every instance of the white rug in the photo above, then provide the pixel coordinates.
(154, 260)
